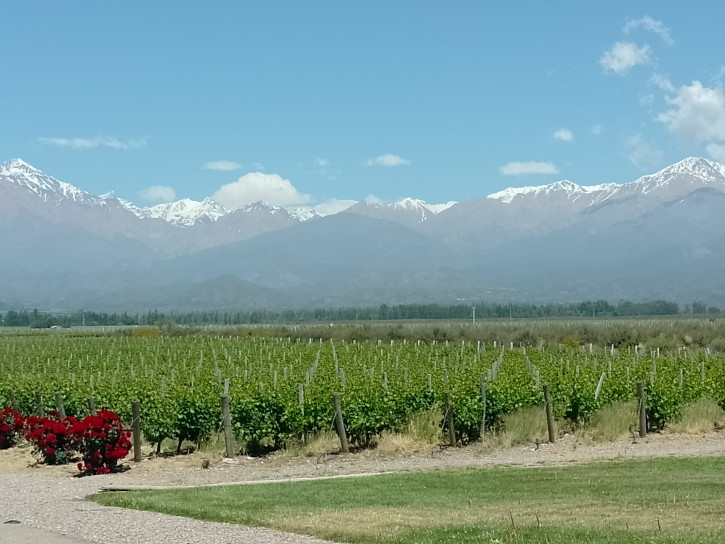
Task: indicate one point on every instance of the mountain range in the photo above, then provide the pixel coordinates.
(661, 236)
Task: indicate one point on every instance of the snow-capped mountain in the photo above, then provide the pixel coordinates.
(419, 206)
(409, 211)
(678, 179)
(185, 212)
(65, 248)
(565, 188)
(45, 187)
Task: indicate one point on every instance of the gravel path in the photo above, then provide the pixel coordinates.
(50, 498)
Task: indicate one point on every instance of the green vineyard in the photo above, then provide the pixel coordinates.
(280, 389)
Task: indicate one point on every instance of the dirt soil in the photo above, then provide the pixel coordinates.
(187, 470)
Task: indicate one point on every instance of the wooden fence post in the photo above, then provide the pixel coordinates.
(227, 423)
(39, 409)
(483, 402)
(135, 427)
(340, 423)
(642, 401)
(301, 401)
(549, 415)
(59, 405)
(449, 417)
(91, 403)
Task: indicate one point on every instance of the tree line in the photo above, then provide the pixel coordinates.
(599, 308)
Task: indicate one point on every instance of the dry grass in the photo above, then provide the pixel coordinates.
(703, 416)
(522, 427)
(392, 522)
(612, 422)
(318, 444)
(426, 426)
(392, 443)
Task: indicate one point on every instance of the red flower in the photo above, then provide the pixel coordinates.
(106, 414)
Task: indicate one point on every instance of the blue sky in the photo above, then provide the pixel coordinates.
(306, 102)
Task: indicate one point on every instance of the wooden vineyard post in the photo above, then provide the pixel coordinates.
(39, 409)
(449, 418)
(549, 415)
(483, 402)
(227, 423)
(642, 400)
(135, 428)
(13, 400)
(301, 400)
(340, 423)
(91, 403)
(59, 405)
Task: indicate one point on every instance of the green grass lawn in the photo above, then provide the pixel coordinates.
(650, 501)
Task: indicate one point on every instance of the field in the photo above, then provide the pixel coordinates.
(280, 388)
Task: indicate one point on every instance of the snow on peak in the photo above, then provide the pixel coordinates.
(409, 204)
(415, 204)
(186, 212)
(438, 208)
(421, 206)
(418, 207)
(17, 165)
(302, 214)
(685, 175)
(568, 188)
(695, 170)
(21, 173)
(260, 206)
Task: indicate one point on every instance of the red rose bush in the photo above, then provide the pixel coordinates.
(53, 439)
(11, 427)
(103, 443)
(100, 439)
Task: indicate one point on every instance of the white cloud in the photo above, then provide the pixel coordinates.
(716, 152)
(697, 114)
(597, 129)
(333, 206)
(529, 167)
(92, 143)
(322, 163)
(257, 186)
(386, 160)
(224, 166)
(646, 100)
(648, 23)
(623, 56)
(372, 199)
(640, 153)
(662, 82)
(564, 134)
(158, 194)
